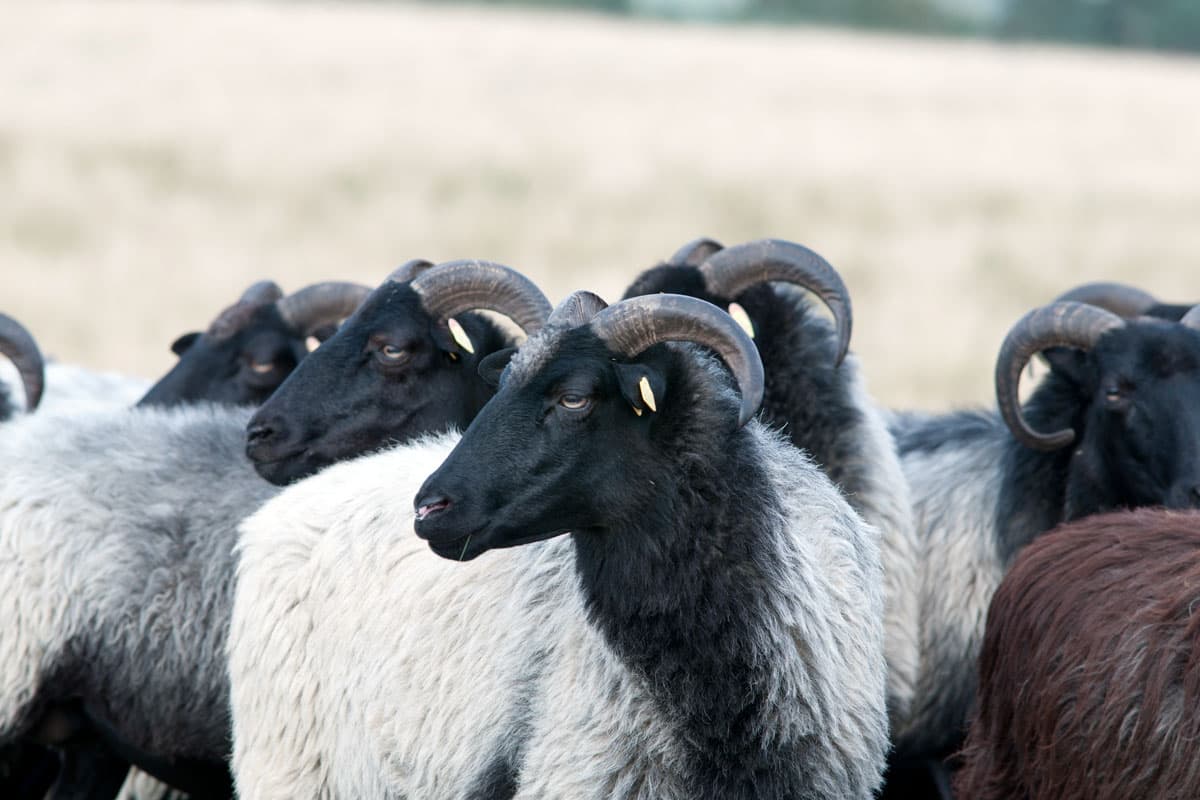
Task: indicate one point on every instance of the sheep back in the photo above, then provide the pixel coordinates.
(1089, 676)
(116, 537)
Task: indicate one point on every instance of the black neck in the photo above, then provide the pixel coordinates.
(806, 395)
(681, 594)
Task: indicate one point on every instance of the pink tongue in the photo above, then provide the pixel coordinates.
(425, 511)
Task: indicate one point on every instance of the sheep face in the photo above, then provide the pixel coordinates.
(1140, 388)
(241, 366)
(569, 443)
(390, 373)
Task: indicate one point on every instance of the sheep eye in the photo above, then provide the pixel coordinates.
(393, 353)
(574, 402)
(262, 367)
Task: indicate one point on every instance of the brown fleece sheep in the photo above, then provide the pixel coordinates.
(1089, 680)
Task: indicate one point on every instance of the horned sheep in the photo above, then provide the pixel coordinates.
(119, 570)
(711, 628)
(1118, 402)
(816, 395)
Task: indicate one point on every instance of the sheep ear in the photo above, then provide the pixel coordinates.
(642, 387)
(493, 364)
(1067, 362)
(181, 345)
(450, 337)
(323, 332)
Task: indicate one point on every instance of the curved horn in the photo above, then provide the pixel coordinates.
(695, 252)
(1057, 325)
(1192, 318)
(456, 286)
(735, 269)
(321, 304)
(578, 309)
(408, 270)
(261, 293)
(19, 346)
(1119, 298)
(632, 325)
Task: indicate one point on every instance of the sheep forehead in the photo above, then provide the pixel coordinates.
(536, 353)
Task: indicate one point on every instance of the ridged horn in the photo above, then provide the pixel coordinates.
(1056, 325)
(408, 270)
(577, 309)
(633, 325)
(1192, 318)
(453, 287)
(1119, 298)
(735, 269)
(695, 252)
(321, 304)
(19, 346)
(261, 293)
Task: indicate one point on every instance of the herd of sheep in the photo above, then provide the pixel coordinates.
(322, 556)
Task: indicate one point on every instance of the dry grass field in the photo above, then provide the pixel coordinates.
(155, 158)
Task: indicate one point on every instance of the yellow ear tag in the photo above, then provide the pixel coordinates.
(636, 410)
(460, 335)
(741, 318)
(647, 394)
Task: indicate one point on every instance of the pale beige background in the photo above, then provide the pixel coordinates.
(155, 158)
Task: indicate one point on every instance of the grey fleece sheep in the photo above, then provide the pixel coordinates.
(116, 553)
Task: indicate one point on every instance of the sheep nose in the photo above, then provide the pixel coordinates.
(261, 435)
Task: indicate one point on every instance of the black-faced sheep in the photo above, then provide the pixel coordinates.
(253, 345)
(406, 361)
(711, 628)
(1108, 428)
(816, 395)
(98, 654)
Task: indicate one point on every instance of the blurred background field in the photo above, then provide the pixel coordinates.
(155, 158)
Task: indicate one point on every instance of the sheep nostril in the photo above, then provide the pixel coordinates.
(264, 438)
(258, 434)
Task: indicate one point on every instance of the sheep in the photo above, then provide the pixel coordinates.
(253, 345)
(116, 534)
(160, 704)
(244, 355)
(53, 386)
(1121, 401)
(1090, 669)
(249, 327)
(712, 628)
(406, 361)
(1124, 300)
(817, 396)
(19, 346)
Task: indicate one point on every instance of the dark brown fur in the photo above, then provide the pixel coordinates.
(1089, 680)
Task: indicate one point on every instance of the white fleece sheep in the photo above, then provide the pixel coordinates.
(362, 665)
